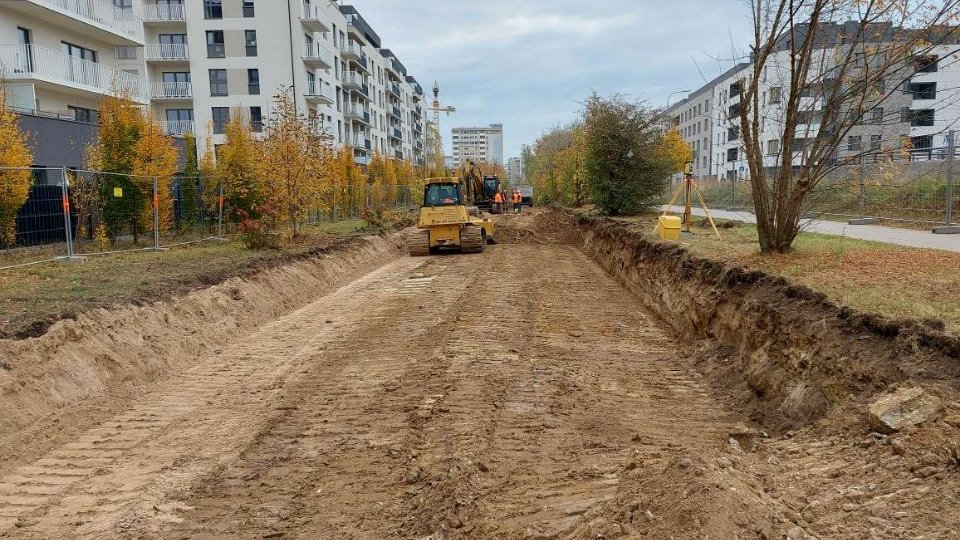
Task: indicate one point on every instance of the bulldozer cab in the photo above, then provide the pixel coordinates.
(438, 194)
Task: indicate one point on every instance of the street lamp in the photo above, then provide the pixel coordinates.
(675, 93)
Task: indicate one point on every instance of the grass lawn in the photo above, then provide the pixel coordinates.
(892, 280)
(33, 297)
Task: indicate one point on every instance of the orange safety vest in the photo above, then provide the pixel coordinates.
(498, 198)
(517, 198)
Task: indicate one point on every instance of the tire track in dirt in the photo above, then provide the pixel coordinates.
(123, 471)
(507, 410)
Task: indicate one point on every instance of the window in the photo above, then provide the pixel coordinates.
(250, 36)
(127, 53)
(924, 90)
(176, 84)
(734, 111)
(735, 89)
(123, 4)
(215, 47)
(221, 116)
(732, 154)
(253, 82)
(922, 118)
(854, 143)
(773, 147)
(82, 114)
(733, 134)
(212, 9)
(875, 142)
(256, 119)
(876, 115)
(179, 121)
(218, 82)
(24, 61)
(248, 10)
(926, 64)
(776, 95)
(924, 142)
(77, 51)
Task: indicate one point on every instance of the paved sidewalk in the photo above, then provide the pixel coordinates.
(889, 235)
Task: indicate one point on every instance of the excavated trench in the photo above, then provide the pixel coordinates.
(515, 394)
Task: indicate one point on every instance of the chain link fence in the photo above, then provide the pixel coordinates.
(70, 214)
(917, 191)
(73, 213)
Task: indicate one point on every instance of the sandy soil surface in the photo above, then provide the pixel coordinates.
(486, 396)
(521, 393)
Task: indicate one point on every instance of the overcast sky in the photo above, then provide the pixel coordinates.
(530, 63)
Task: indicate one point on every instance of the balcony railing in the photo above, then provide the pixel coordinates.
(358, 113)
(51, 65)
(360, 141)
(353, 79)
(166, 51)
(171, 90)
(101, 13)
(397, 134)
(164, 12)
(316, 90)
(177, 127)
(313, 16)
(351, 49)
(396, 112)
(394, 89)
(316, 53)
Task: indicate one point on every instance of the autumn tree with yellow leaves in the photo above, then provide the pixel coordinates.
(155, 161)
(293, 164)
(238, 171)
(15, 157)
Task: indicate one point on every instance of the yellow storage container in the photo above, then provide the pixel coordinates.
(668, 228)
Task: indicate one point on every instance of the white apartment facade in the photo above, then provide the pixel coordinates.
(478, 144)
(196, 63)
(924, 111)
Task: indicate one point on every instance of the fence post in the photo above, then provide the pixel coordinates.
(156, 215)
(67, 222)
(220, 213)
(951, 150)
(733, 200)
(949, 227)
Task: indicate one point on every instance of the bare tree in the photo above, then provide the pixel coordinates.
(824, 75)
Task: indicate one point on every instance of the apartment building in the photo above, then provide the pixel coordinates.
(923, 111)
(515, 169)
(57, 61)
(197, 63)
(478, 144)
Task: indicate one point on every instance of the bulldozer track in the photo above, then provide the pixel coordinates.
(471, 239)
(418, 243)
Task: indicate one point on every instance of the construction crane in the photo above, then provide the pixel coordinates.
(436, 109)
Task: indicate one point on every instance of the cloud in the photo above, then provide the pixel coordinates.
(529, 64)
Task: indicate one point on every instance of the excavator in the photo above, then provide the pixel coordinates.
(450, 216)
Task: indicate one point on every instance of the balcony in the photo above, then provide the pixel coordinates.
(395, 112)
(51, 69)
(360, 142)
(164, 13)
(316, 93)
(418, 111)
(98, 19)
(316, 55)
(312, 18)
(394, 91)
(357, 114)
(177, 128)
(171, 90)
(396, 134)
(166, 52)
(398, 154)
(351, 50)
(353, 81)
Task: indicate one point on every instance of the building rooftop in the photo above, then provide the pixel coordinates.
(357, 21)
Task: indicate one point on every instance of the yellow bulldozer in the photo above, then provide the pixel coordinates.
(449, 218)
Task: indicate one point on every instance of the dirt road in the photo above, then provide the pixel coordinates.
(493, 396)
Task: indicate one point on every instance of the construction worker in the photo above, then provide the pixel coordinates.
(498, 202)
(517, 199)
